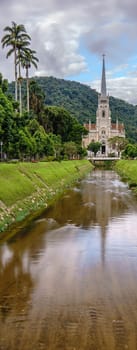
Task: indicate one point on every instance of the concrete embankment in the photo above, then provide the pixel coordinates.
(128, 171)
(27, 188)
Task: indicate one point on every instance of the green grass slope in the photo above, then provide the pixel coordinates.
(28, 187)
(128, 171)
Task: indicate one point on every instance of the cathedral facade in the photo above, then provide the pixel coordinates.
(104, 129)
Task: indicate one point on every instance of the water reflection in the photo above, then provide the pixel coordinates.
(71, 281)
(95, 201)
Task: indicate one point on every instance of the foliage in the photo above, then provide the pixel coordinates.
(58, 121)
(130, 151)
(3, 84)
(17, 39)
(57, 145)
(44, 143)
(40, 133)
(70, 149)
(94, 147)
(36, 97)
(118, 143)
(27, 144)
(6, 121)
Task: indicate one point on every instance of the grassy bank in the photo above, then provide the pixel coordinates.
(128, 171)
(28, 187)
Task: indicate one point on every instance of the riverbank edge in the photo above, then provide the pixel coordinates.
(60, 176)
(127, 169)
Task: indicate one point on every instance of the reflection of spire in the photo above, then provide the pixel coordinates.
(103, 80)
(103, 244)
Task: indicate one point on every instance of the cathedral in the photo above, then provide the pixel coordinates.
(103, 130)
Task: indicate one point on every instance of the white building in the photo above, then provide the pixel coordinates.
(103, 130)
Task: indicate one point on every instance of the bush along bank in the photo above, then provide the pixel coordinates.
(127, 169)
(27, 188)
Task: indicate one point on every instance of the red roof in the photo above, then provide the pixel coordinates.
(113, 127)
(120, 127)
(92, 126)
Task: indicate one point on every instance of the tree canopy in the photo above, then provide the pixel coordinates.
(94, 147)
(41, 133)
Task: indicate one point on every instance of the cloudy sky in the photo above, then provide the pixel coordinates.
(70, 37)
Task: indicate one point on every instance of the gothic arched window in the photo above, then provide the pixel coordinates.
(103, 113)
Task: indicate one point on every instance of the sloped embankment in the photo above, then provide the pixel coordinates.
(128, 171)
(26, 188)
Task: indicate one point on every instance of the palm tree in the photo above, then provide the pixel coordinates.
(15, 35)
(22, 48)
(28, 59)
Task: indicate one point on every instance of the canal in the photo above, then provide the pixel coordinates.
(69, 282)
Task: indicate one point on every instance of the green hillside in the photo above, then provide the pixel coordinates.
(81, 101)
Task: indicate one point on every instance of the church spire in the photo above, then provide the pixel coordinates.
(103, 80)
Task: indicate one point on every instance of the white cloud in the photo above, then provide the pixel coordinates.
(117, 69)
(57, 28)
(123, 88)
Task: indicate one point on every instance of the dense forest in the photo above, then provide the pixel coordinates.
(43, 132)
(81, 101)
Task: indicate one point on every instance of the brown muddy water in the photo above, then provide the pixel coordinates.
(70, 281)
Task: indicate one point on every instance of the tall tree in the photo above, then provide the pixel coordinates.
(15, 35)
(36, 98)
(28, 59)
(70, 149)
(22, 49)
(6, 121)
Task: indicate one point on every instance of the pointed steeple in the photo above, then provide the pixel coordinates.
(103, 80)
